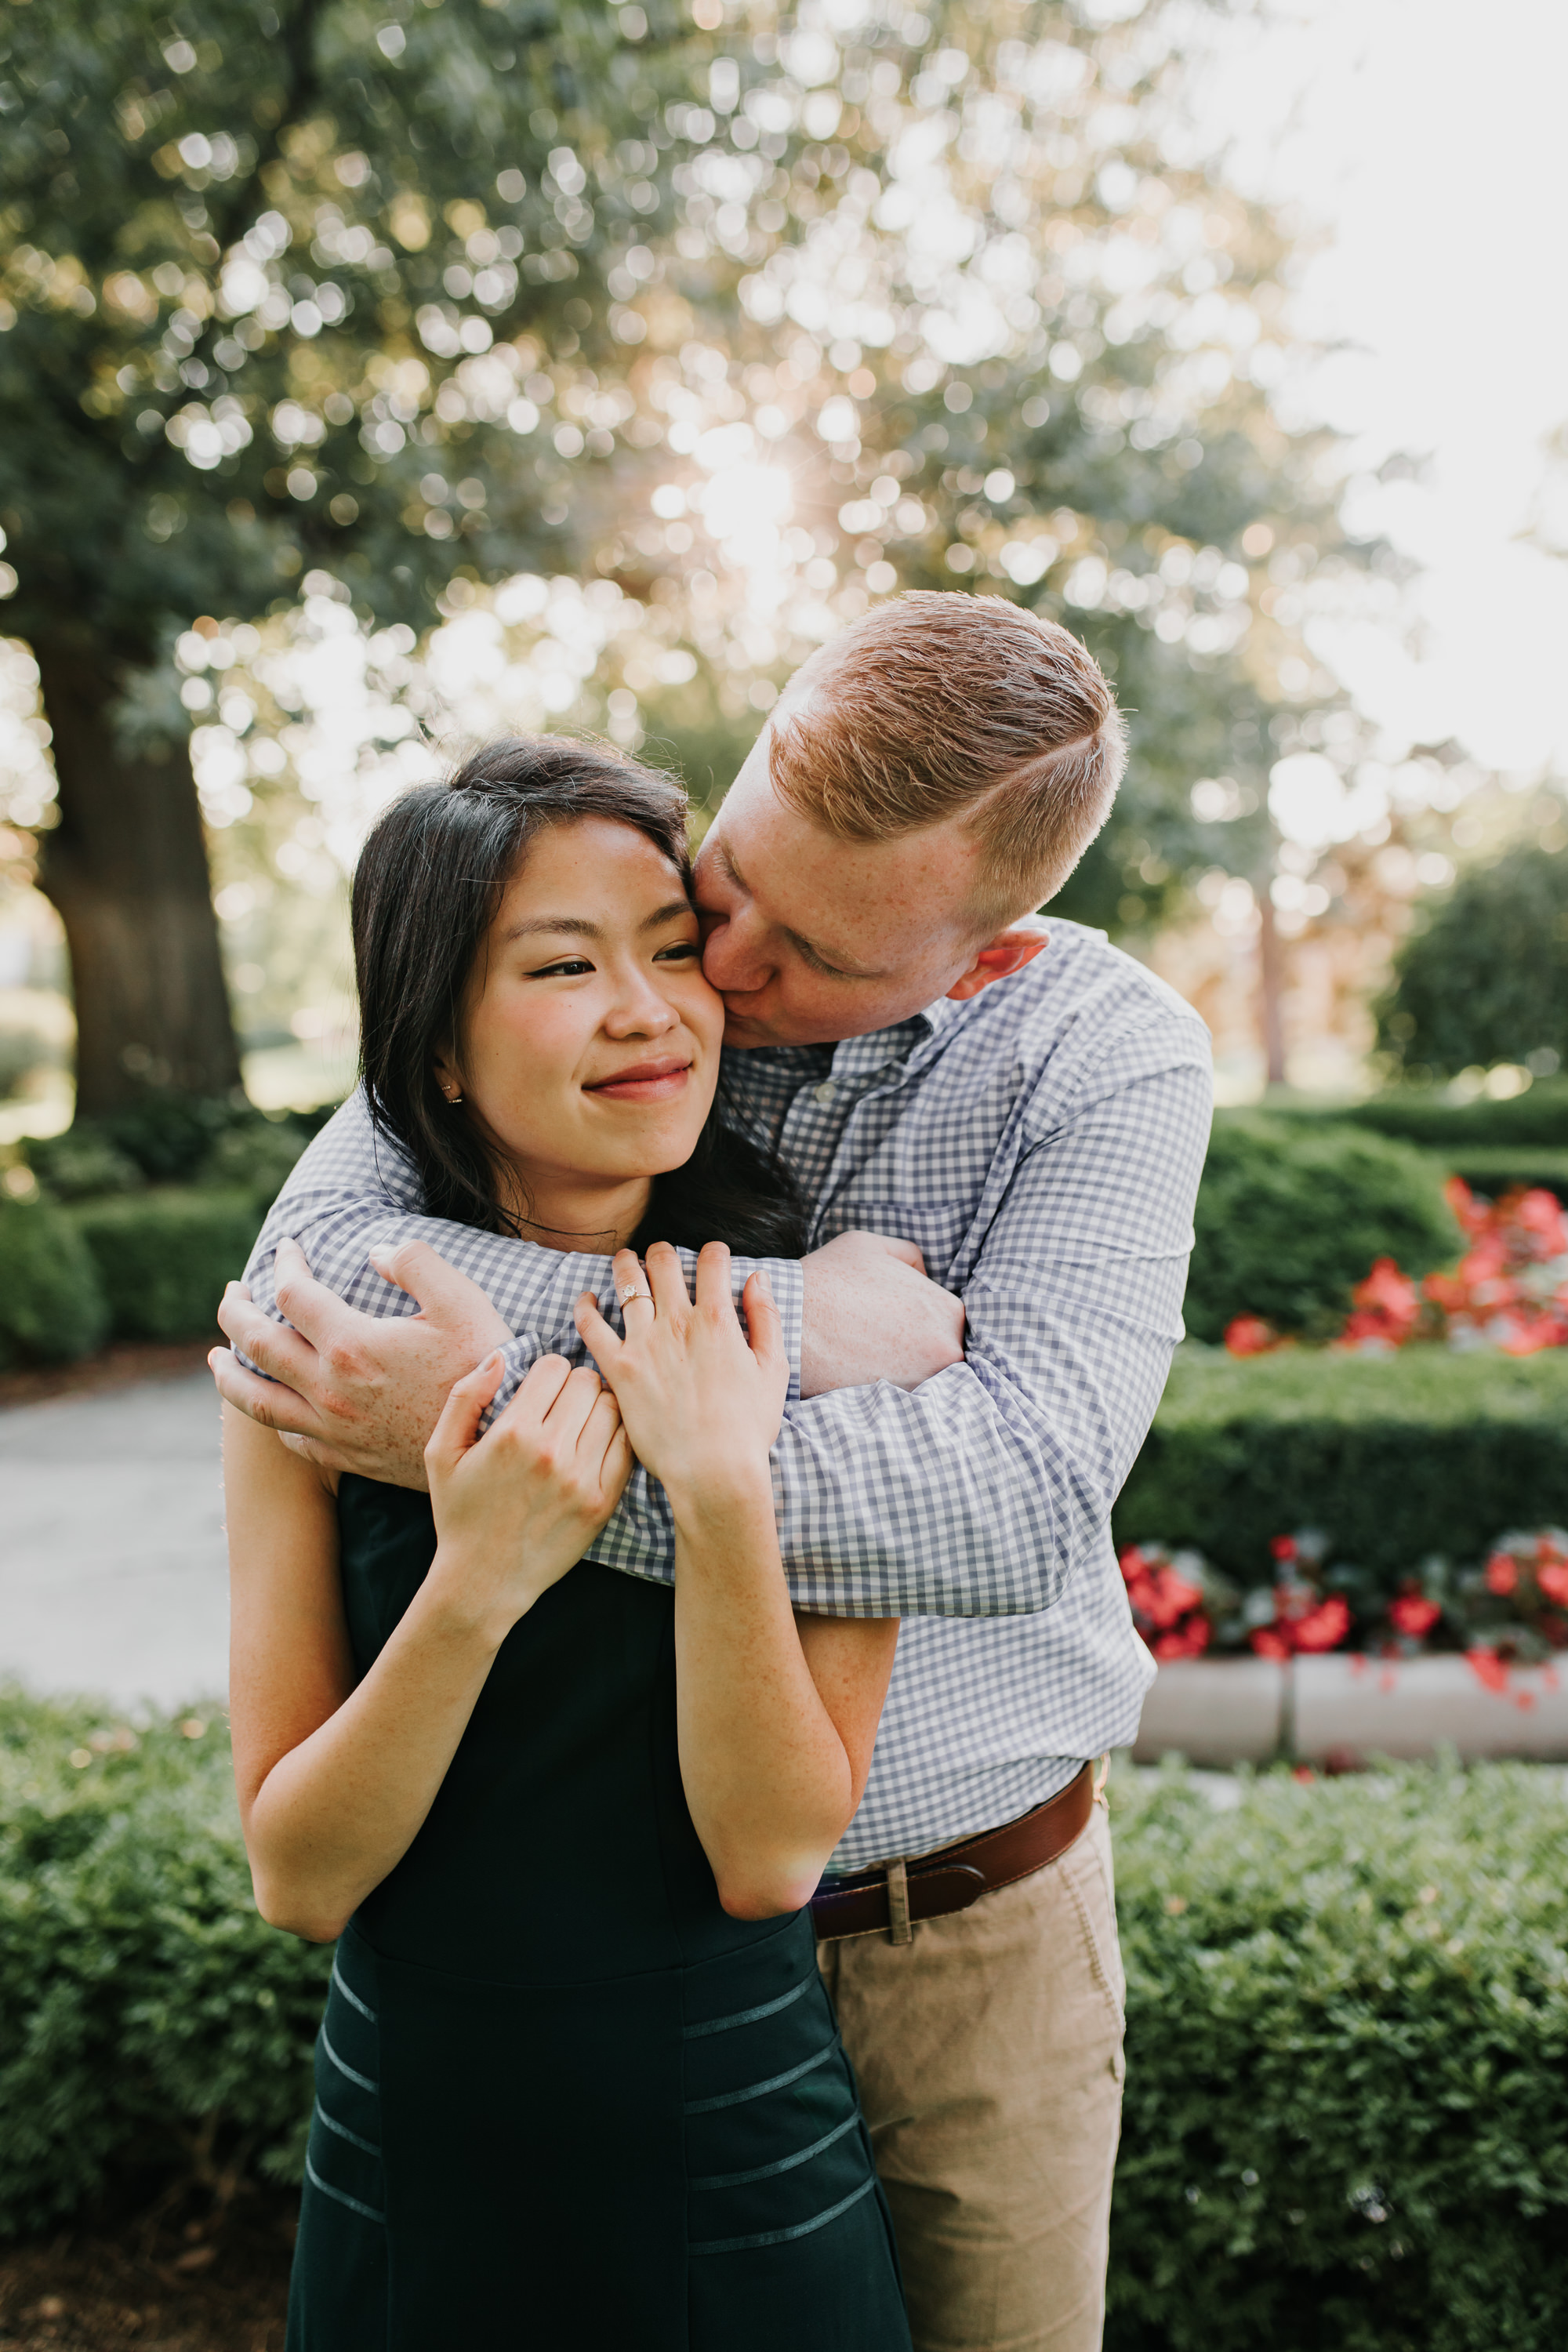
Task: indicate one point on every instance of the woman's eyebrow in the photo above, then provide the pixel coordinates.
(662, 915)
(581, 927)
(578, 924)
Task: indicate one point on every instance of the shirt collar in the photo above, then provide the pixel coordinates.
(880, 1048)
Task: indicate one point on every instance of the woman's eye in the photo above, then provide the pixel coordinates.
(681, 953)
(569, 967)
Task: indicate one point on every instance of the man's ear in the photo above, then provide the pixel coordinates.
(1000, 958)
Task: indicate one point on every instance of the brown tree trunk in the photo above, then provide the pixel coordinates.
(126, 867)
(1271, 978)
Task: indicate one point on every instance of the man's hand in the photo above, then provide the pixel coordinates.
(871, 1314)
(356, 1392)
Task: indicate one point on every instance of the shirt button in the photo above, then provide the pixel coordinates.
(826, 1091)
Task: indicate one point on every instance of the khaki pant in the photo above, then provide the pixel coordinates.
(989, 2055)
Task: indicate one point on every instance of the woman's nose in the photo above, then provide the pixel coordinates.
(641, 1010)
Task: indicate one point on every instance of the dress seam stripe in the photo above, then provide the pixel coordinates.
(757, 2090)
(749, 2016)
(354, 2203)
(362, 2080)
(781, 2237)
(784, 2164)
(349, 1994)
(371, 2147)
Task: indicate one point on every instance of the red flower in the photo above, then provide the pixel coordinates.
(1271, 1641)
(1413, 1614)
(1188, 1641)
(1468, 1214)
(1249, 1335)
(1502, 1572)
(1538, 1212)
(1284, 1547)
(1487, 1669)
(1553, 1579)
(1325, 1627)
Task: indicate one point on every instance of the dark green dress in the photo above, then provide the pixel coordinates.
(563, 2101)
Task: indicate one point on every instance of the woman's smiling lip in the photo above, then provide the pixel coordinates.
(653, 1081)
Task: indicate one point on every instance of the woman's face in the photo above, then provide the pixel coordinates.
(590, 1039)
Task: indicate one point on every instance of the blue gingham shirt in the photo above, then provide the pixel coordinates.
(1042, 1143)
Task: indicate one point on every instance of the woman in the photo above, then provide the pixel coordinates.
(578, 2081)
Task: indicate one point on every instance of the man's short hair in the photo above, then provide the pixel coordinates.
(936, 705)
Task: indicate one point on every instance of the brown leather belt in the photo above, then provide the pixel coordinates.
(956, 1876)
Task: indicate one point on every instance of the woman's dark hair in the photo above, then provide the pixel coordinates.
(430, 878)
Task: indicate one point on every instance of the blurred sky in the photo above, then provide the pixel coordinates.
(1427, 137)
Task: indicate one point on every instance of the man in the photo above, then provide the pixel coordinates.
(1030, 1109)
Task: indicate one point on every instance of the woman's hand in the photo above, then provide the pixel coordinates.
(519, 1507)
(700, 1403)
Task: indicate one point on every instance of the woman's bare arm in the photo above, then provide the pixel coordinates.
(777, 1714)
(335, 1780)
(777, 1719)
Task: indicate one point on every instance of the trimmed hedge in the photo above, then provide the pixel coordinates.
(142, 2000)
(1394, 1457)
(164, 1256)
(1539, 1117)
(1346, 2125)
(52, 1307)
(1291, 1215)
(1496, 1167)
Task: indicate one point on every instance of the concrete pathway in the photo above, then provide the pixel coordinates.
(113, 1575)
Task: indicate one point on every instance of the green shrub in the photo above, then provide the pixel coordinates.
(1482, 976)
(143, 2003)
(1346, 2123)
(1397, 1456)
(1291, 1215)
(164, 1256)
(256, 1156)
(1539, 1117)
(82, 1164)
(168, 1136)
(52, 1307)
(175, 1139)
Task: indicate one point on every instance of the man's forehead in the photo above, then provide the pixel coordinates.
(855, 895)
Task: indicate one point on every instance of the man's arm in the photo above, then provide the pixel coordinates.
(361, 1313)
(984, 1491)
(981, 1492)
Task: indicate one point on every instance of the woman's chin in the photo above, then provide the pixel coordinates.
(649, 1140)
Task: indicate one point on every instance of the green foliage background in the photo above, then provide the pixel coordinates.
(1291, 1213)
(1483, 977)
(1395, 1458)
(1347, 2011)
(52, 1308)
(395, 304)
(148, 2018)
(1346, 2126)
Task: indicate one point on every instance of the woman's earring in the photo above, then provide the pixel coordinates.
(454, 1097)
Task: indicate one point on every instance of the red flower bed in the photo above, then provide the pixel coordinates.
(1508, 1291)
(1512, 1609)
(1168, 1608)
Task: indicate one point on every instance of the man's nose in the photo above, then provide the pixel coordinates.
(733, 957)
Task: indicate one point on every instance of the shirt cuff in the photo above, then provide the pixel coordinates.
(518, 1358)
(787, 1276)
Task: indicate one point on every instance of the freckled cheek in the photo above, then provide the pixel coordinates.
(526, 1060)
